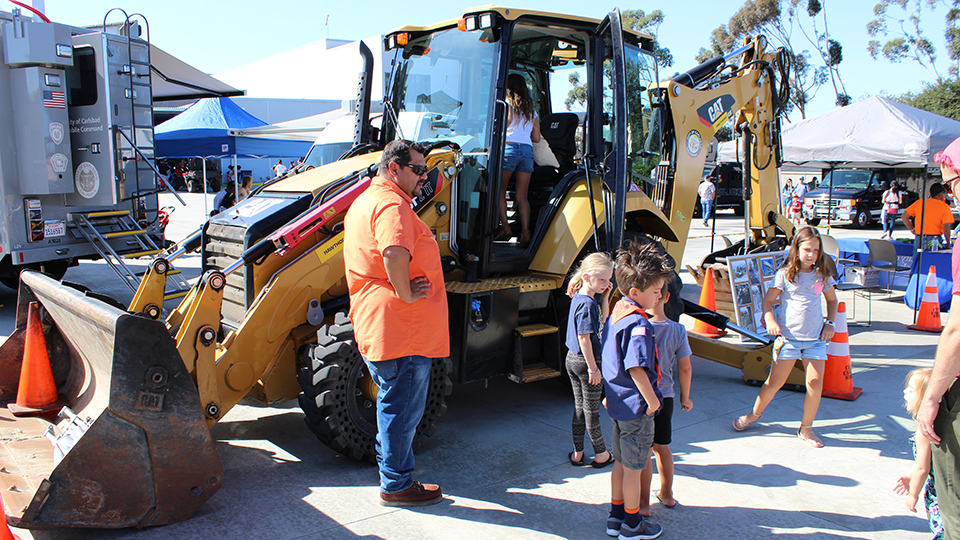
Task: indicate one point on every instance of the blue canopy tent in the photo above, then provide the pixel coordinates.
(204, 130)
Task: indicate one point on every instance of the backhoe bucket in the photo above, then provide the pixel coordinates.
(133, 448)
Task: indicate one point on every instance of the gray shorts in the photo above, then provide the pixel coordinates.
(632, 440)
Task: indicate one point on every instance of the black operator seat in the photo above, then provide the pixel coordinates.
(560, 130)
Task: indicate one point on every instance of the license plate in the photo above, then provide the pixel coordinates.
(54, 228)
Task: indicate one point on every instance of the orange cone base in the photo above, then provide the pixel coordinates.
(716, 334)
(848, 396)
(936, 330)
(19, 410)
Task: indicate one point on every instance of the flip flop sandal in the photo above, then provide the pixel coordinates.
(665, 505)
(811, 438)
(740, 423)
(596, 465)
(575, 463)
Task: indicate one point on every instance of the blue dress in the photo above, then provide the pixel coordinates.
(929, 498)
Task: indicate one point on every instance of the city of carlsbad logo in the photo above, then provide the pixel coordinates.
(56, 132)
(87, 180)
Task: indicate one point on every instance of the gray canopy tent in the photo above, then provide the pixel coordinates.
(872, 133)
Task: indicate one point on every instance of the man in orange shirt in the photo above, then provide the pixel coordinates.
(936, 219)
(398, 306)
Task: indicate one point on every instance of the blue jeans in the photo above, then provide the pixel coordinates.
(518, 157)
(707, 207)
(401, 400)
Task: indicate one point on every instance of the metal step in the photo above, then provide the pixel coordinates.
(536, 372)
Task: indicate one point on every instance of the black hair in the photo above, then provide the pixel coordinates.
(398, 151)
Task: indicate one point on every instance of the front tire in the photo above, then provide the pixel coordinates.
(862, 220)
(813, 222)
(339, 395)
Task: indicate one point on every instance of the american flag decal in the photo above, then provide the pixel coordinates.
(53, 99)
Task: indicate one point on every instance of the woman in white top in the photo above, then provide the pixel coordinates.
(892, 199)
(523, 129)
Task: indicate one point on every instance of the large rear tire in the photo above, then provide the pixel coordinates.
(339, 396)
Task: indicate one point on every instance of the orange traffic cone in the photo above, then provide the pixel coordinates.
(708, 299)
(837, 378)
(37, 392)
(928, 317)
(5, 532)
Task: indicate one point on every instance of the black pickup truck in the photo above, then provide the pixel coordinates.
(857, 196)
(728, 178)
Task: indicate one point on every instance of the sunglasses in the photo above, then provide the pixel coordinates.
(418, 170)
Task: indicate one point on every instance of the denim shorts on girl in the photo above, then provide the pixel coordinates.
(518, 157)
(793, 349)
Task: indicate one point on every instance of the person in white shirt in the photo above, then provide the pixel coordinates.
(279, 168)
(708, 193)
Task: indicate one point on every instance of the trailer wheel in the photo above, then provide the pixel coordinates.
(339, 396)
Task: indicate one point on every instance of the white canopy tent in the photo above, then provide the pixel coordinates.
(873, 133)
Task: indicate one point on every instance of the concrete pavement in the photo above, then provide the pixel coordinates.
(500, 455)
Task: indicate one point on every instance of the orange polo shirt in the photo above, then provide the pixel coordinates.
(938, 214)
(385, 326)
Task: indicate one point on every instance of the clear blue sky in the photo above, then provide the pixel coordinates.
(217, 35)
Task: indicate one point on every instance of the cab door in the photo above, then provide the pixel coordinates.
(609, 110)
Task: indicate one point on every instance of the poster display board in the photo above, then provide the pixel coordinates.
(750, 277)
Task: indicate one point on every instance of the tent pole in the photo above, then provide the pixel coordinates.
(204, 161)
(923, 216)
(236, 179)
(830, 200)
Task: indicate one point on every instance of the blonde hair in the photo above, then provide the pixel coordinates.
(923, 375)
(591, 265)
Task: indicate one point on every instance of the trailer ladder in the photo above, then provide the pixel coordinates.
(99, 228)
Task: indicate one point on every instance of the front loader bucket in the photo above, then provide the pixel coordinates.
(141, 452)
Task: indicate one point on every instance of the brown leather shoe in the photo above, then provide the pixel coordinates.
(416, 495)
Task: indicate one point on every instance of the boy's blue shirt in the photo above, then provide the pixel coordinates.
(628, 342)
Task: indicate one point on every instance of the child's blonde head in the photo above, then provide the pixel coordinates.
(919, 378)
(591, 265)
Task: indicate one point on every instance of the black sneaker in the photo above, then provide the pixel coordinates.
(613, 526)
(644, 531)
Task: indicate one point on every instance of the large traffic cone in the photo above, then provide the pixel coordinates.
(708, 299)
(37, 392)
(837, 378)
(5, 532)
(928, 317)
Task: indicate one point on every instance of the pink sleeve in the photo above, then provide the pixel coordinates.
(955, 269)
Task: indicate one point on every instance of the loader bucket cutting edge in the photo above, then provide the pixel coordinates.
(147, 457)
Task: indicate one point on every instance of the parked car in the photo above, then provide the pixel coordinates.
(856, 196)
(728, 178)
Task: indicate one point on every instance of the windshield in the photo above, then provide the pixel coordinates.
(321, 154)
(443, 89)
(846, 180)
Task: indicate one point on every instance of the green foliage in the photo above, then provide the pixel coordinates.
(638, 21)
(897, 23)
(724, 134)
(778, 19)
(577, 95)
(940, 98)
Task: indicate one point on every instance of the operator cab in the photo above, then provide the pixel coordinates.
(457, 73)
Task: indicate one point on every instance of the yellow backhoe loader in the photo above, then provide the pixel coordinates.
(268, 316)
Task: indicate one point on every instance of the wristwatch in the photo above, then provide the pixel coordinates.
(828, 323)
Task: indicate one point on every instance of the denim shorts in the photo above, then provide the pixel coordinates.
(795, 350)
(632, 440)
(518, 157)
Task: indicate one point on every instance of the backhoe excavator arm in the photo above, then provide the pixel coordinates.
(693, 106)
